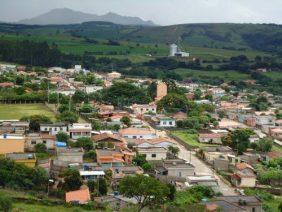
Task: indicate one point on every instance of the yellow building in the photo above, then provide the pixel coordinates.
(11, 144)
(27, 159)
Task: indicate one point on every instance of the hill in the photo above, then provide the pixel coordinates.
(68, 16)
(240, 37)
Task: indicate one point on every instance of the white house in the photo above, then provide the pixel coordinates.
(92, 88)
(144, 108)
(78, 130)
(91, 175)
(156, 142)
(53, 129)
(167, 122)
(137, 133)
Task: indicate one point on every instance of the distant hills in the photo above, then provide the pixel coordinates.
(241, 37)
(68, 16)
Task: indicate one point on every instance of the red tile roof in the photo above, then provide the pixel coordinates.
(82, 196)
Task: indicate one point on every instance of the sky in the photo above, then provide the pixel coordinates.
(162, 12)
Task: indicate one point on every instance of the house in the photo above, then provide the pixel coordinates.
(175, 168)
(13, 126)
(91, 175)
(244, 175)
(92, 88)
(81, 196)
(113, 75)
(230, 124)
(11, 144)
(205, 180)
(213, 138)
(247, 203)
(73, 155)
(113, 158)
(221, 163)
(27, 159)
(7, 85)
(141, 109)
(276, 132)
(53, 129)
(263, 119)
(106, 138)
(166, 122)
(212, 152)
(120, 172)
(156, 142)
(153, 153)
(34, 138)
(78, 130)
(137, 133)
(179, 116)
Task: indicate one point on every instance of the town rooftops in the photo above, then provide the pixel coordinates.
(104, 136)
(11, 137)
(54, 125)
(136, 131)
(70, 150)
(217, 149)
(79, 127)
(177, 163)
(153, 141)
(91, 173)
(241, 166)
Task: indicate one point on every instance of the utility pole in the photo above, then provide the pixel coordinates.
(70, 104)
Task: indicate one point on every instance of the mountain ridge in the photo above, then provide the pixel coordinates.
(65, 16)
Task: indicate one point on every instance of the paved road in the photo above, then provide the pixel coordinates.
(201, 169)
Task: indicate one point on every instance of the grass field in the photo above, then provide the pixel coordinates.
(191, 139)
(25, 207)
(226, 75)
(17, 111)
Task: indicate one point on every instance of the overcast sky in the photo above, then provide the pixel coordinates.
(163, 12)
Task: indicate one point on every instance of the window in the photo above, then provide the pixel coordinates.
(164, 122)
(154, 155)
(33, 142)
(134, 136)
(44, 142)
(55, 128)
(141, 136)
(46, 129)
(253, 209)
(179, 174)
(170, 123)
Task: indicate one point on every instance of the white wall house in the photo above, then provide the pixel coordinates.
(53, 129)
(153, 153)
(167, 122)
(78, 130)
(138, 133)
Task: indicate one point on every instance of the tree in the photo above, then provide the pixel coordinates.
(264, 145)
(139, 160)
(5, 203)
(85, 143)
(147, 167)
(102, 186)
(126, 120)
(91, 154)
(79, 96)
(173, 150)
(40, 148)
(62, 136)
(197, 94)
(172, 191)
(238, 140)
(72, 180)
(86, 108)
(69, 117)
(146, 190)
(36, 120)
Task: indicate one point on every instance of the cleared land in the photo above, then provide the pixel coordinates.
(191, 139)
(17, 111)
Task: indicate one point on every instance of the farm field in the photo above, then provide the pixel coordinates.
(17, 111)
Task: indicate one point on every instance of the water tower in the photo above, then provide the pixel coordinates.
(173, 50)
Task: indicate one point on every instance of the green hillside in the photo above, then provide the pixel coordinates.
(233, 37)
